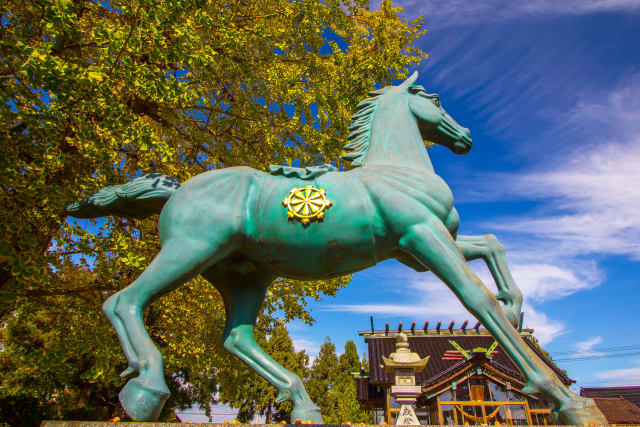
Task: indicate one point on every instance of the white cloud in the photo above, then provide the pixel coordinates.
(545, 329)
(457, 12)
(543, 282)
(585, 348)
(619, 113)
(421, 296)
(617, 377)
(309, 346)
(589, 200)
(589, 206)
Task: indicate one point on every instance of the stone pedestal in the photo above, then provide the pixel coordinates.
(404, 364)
(406, 395)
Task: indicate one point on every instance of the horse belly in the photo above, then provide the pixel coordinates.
(340, 243)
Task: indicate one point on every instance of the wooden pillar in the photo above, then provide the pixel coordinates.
(388, 405)
(455, 416)
(527, 411)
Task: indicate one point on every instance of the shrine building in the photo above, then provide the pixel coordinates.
(620, 405)
(468, 380)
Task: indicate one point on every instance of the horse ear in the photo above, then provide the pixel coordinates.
(410, 81)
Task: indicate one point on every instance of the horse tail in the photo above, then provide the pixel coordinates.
(139, 198)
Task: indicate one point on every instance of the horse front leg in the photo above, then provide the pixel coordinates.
(489, 249)
(433, 246)
(243, 296)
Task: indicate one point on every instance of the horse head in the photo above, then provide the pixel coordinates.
(433, 121)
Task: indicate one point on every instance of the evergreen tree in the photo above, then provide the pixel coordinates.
(332, 387)
(349, 361)
(322, 378)
(345, 388)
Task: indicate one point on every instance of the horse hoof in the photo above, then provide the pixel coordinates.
(581, 411)
(306, 413)
(141, 402)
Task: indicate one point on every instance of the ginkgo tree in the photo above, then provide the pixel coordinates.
(96, 92)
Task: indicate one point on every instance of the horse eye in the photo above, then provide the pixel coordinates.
(436, 101)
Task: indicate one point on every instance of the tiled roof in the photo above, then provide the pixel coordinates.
(632, 393)
(436, 346)
(618, 410)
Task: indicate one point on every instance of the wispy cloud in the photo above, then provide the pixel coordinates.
(617, 377)
(585, 348)
(542, 282)
(421, 296)
(456, 12)
(589, 202)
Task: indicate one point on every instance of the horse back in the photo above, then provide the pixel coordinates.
(210, 206)
(346, 239)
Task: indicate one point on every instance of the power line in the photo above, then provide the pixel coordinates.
(598, 357)
(601, 350)
(608, 385)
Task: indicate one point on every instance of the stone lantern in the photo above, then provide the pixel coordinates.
(404, 364)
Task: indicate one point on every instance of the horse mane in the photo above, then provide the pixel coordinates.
(360, 128)
(362, 121)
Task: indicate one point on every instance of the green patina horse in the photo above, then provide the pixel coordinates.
(230, 226)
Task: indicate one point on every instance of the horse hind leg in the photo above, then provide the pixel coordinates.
(492, 252)
(180, 259)
(243, 296)
(434, 247)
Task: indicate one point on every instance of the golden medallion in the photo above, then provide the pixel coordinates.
(306, 204)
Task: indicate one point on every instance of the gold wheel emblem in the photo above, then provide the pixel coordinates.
(306, 204)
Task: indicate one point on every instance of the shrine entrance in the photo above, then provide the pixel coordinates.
(468, 380)
(486, 400)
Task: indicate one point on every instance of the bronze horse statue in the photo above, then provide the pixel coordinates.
(241, 228)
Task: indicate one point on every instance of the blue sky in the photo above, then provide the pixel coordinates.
(551, 92)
